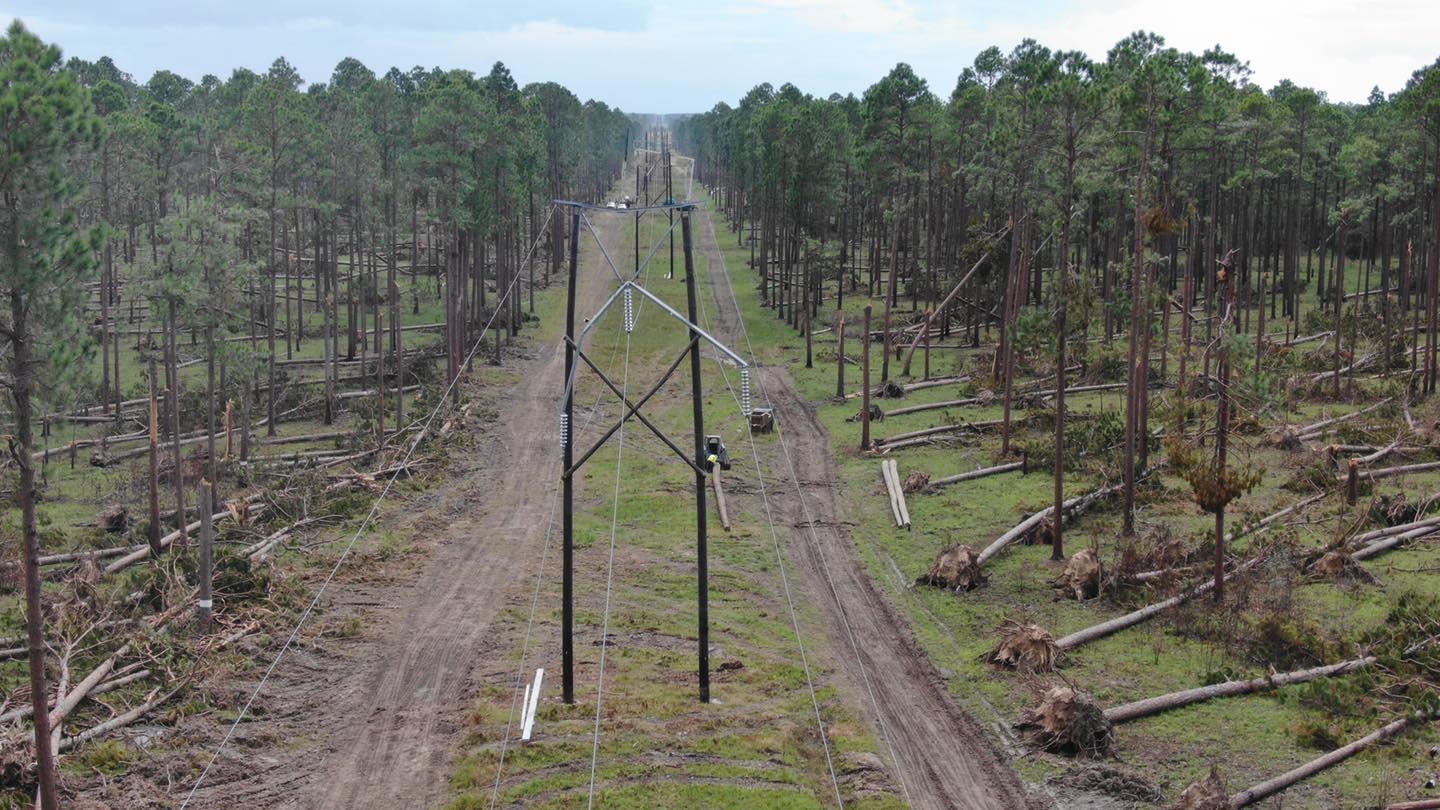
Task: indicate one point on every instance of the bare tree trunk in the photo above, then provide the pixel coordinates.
(1062, 275)
(1132, 400)
(270, 319)
(890, 294)
(107, 271)
(175, 457)
(1340, 252)
(20, 371)
(154, 476)
(865, 388)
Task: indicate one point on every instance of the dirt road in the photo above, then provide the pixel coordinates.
(941, 756)
(375, 723)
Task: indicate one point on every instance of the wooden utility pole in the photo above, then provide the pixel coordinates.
(698, 407)
(567, 454)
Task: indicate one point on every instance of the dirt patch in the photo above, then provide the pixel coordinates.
(1110, 782)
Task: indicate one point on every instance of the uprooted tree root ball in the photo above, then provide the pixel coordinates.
(1207, 794)
(916, 481)
(957, 569)
(1024, 646)
(891, 390)
(1338, 566)
(1067, 722)
(1082, 576)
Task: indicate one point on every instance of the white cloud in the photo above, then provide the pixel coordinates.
(687, 57)
(867, 16)
(1343, 48)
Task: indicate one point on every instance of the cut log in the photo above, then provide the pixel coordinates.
(933, 406)
(250, 504)
(890, 492)
(259, 549)
(1270, 787)
(64, 706)
(1358, 364)
(1380, 546)
(120, 721)
(900, 493)
(1137, 709)
(720, 499)
(890, 471)
(1371, 458)
(917, 386)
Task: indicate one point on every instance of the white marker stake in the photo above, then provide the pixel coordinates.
(534, 700)
(524, 708)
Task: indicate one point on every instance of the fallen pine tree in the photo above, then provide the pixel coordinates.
(1028, 637)
(1238, 532)
(1070, 509)
(915, 437)
(958, 568)
(1022, 465)
(1290, 436)
(1137, 709)
(1270, 787)
(916, 386)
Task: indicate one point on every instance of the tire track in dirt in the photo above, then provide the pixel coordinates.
(943, 757)
(388, 711)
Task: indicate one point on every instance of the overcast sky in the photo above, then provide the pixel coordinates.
(668, 57)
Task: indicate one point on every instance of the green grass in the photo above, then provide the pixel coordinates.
(1250, 738)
